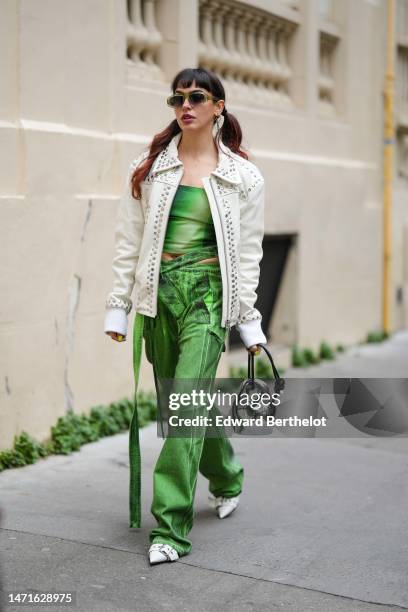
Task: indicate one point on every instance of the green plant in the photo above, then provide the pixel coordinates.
(103, 421)
(25, 451)
(70, 432)
(377, 336)
(238, 372)
(298, 360)
(263, 368)
(310, 357)
(11, 458)
(325, 351)
(146, 408)
(29, 448)
(73, 430)
(340, 348)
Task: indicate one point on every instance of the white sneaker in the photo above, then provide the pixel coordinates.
(224, 505)
(162, 552)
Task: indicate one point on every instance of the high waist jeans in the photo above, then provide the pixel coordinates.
(185, 341)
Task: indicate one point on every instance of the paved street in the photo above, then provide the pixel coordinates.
(322, 523)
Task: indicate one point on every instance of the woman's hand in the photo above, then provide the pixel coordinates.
(116, 336)
(255, 349)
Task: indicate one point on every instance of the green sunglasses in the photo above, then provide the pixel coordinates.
(194, 97)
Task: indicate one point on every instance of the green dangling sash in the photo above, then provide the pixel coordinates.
(134, 446)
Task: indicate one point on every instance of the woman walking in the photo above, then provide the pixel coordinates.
(189, 241)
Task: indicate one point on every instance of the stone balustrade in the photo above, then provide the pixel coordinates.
(249, 48)
(326, 82)
(143, 40)
(329, 39)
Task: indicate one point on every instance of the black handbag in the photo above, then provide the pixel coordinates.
(256, 385)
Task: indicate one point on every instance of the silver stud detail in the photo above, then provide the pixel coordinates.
(116, 302)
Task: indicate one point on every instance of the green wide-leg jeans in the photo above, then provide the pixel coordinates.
(185, 341)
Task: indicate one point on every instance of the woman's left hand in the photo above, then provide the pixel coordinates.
(255, 349)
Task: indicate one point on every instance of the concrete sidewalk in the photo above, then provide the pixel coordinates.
(322, 523)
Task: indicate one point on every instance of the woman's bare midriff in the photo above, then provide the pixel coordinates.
(170, 256)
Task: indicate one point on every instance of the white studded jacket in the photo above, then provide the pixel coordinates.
(236, 194)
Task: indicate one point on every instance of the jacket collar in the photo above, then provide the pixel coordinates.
(227, 168)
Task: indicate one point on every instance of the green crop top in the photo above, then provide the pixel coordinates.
(190, 225)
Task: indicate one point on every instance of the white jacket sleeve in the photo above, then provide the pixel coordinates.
(128, 237)
(251, 236)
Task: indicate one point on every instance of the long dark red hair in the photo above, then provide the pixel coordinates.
(230, 132)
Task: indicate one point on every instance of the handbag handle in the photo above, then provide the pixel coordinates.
(279, 382)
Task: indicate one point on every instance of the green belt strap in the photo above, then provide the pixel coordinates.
(134, 446)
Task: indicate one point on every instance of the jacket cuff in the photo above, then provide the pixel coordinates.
(116, 321)
(251, 332)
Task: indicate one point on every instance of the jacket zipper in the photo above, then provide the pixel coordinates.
(217, 222)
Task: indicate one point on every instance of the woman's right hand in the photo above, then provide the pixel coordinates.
(116, 336)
